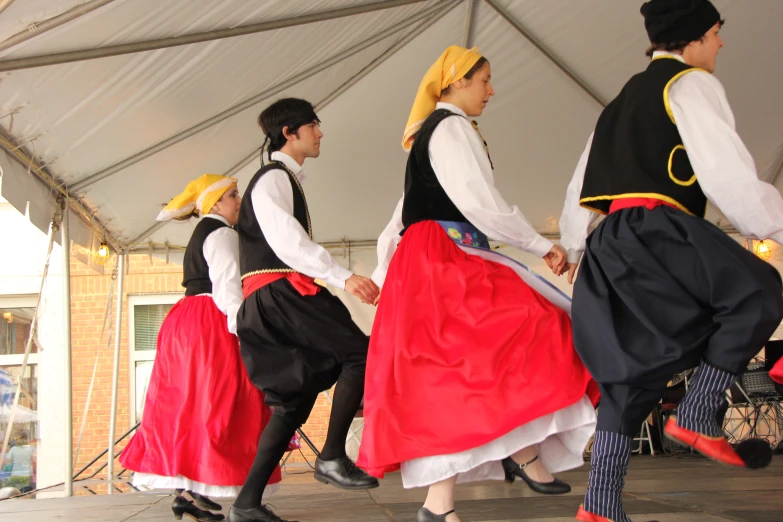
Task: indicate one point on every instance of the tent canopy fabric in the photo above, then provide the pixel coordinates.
(123, 134)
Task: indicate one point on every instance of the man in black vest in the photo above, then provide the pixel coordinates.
(660, 289)
(297, 340)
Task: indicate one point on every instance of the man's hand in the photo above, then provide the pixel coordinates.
(556, 259)
(571, 267)
(363, 288)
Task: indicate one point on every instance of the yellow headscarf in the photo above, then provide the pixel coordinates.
(200, 194)
(452, 65)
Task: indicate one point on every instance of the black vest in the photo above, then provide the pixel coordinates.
(255, 254)
(425, 198)
(195, 270)
(637, 150)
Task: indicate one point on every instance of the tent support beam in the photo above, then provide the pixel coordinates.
(4, 4)
(68, 391)
(470, 23)
(175, 41)
(147, 233)
(255, 100)
(546, 52)
(116, 371)
(391, 51)
(38, 28)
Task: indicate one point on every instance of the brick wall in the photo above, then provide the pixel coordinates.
(89, 295)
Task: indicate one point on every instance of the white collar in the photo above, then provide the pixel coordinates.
(450, 107)
(667, 54)
(219, 218)
(290, 163)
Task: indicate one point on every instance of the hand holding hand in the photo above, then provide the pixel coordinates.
(363, 288)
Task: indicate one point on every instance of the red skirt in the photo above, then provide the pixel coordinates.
(462, 352)
(202, 417)
(776, 373)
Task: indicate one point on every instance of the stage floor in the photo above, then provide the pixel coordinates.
(661, 488)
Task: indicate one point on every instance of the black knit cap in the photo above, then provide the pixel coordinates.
(286, 112)
(678, 20)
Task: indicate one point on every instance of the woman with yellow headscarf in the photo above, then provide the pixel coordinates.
(202, 417)
(471, 373)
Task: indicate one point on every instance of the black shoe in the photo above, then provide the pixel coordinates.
(343, 473)
(257, 514)
(204, 502)
(512, 469)
(180, 507)
(425, 515)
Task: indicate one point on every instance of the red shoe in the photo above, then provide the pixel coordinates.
(716, 448)
(586, 516)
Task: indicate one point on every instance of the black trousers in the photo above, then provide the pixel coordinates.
(295, 346)
(659, 291)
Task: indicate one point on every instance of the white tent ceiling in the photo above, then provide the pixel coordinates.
(85, 119)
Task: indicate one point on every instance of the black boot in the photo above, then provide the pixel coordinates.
(512, 469)
(257, 514)
(204, 502)
(180, 507)
(343, 473)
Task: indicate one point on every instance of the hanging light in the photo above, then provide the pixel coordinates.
(9, 317)
(103, 253)
(762, 250)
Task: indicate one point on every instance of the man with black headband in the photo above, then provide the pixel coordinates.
(296, 339)
(660, 289)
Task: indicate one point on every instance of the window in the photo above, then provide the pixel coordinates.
(145, 316)
(17, 467)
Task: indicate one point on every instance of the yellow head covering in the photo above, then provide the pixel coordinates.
(452, 65)
(201, 195)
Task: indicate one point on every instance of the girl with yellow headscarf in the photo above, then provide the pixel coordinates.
(472, 372)
(202, 417)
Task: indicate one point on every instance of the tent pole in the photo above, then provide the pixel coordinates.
(4, 4)
(68, 391)
(116, 372)
(358, 76)
(51, 23)
(470, 22)
(188, 39)
(546, 52)
(255, 100)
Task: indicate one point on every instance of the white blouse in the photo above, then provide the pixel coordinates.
(464, 171)
(723, 165)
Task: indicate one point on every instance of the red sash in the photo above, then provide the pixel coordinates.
(304, 285)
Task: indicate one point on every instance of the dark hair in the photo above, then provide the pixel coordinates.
(287, 112)
(670, 47)
(468, 75)
(673, 46)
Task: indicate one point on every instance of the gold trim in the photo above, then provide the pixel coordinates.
(267, 271)
(669, 84)
(671, 174)
(301, 191)
(650, 195)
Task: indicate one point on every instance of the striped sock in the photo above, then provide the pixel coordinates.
(698, 409)
(609, 462)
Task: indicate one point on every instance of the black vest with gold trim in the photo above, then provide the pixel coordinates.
(195, 270)
(425, 199)
(637, 151)
(255, 254)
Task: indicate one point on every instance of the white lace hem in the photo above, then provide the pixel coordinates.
(151, 481)
(562, 437)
